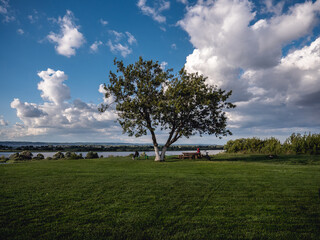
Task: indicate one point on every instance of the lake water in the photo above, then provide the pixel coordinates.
(108, 154)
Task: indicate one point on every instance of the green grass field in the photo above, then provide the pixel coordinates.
(231, 197)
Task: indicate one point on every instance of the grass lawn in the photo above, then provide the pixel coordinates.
(231, 197)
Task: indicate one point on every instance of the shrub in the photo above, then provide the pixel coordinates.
(25, 155)
(72, 155)
(14, 156)
(91, 155)
(58, 155)
(39, 156)
(3, 159)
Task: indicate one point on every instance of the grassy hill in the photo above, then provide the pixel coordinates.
(233, 196)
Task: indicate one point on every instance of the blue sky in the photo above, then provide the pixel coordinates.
(55, 55)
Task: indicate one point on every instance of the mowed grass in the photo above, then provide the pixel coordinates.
(231, 197)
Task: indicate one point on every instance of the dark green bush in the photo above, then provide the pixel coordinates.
(72, 155)
(3, 159)
(91, 155)
(25, 155)
(14, 156)
(58, 155)
(39, 156)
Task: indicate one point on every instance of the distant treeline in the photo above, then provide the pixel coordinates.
(100, 148)
(295, 144)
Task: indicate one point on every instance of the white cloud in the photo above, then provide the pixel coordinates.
(154, 12)
(33, 18)
(6, 11)
(120, 43)
(94, 47)
(110, 100)
(20, 31)
(3, 122)
(69, 38)
(58, 117)
(243, 53)
(131, 38)
(124, 50)
(183, 1)
(52, 86)
(276, 9)
(103, 22)
(27, 110)
(163, 65)
(118, 35)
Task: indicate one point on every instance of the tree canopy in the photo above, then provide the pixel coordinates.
(149, 98)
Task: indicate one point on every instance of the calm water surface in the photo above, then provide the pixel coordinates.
(122, 154)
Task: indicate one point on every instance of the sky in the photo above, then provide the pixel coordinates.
(55, 54)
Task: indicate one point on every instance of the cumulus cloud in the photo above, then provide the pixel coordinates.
(270, 7)
(154, 12)
(26, 110)
(239, 50)
(69, 38)
(57, 116)
(94, 47)
(110, 100)
(52, 86)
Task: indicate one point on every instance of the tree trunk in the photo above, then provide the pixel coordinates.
(157, 156)
(163, 153)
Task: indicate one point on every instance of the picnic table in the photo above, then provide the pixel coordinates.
(190, 155)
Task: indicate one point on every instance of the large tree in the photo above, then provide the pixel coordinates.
(149, 98)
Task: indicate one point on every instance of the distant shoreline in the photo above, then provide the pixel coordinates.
(102, 148)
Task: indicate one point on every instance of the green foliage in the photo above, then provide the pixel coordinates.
(300, 144)
(148, 98)
(14, 156)
(24, 155)
(3, 159)
(72, 155)
(92, 155)
(295, 144)
(58, 155)
(39, 156)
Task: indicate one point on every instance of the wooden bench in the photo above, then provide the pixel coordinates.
(190, 155)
